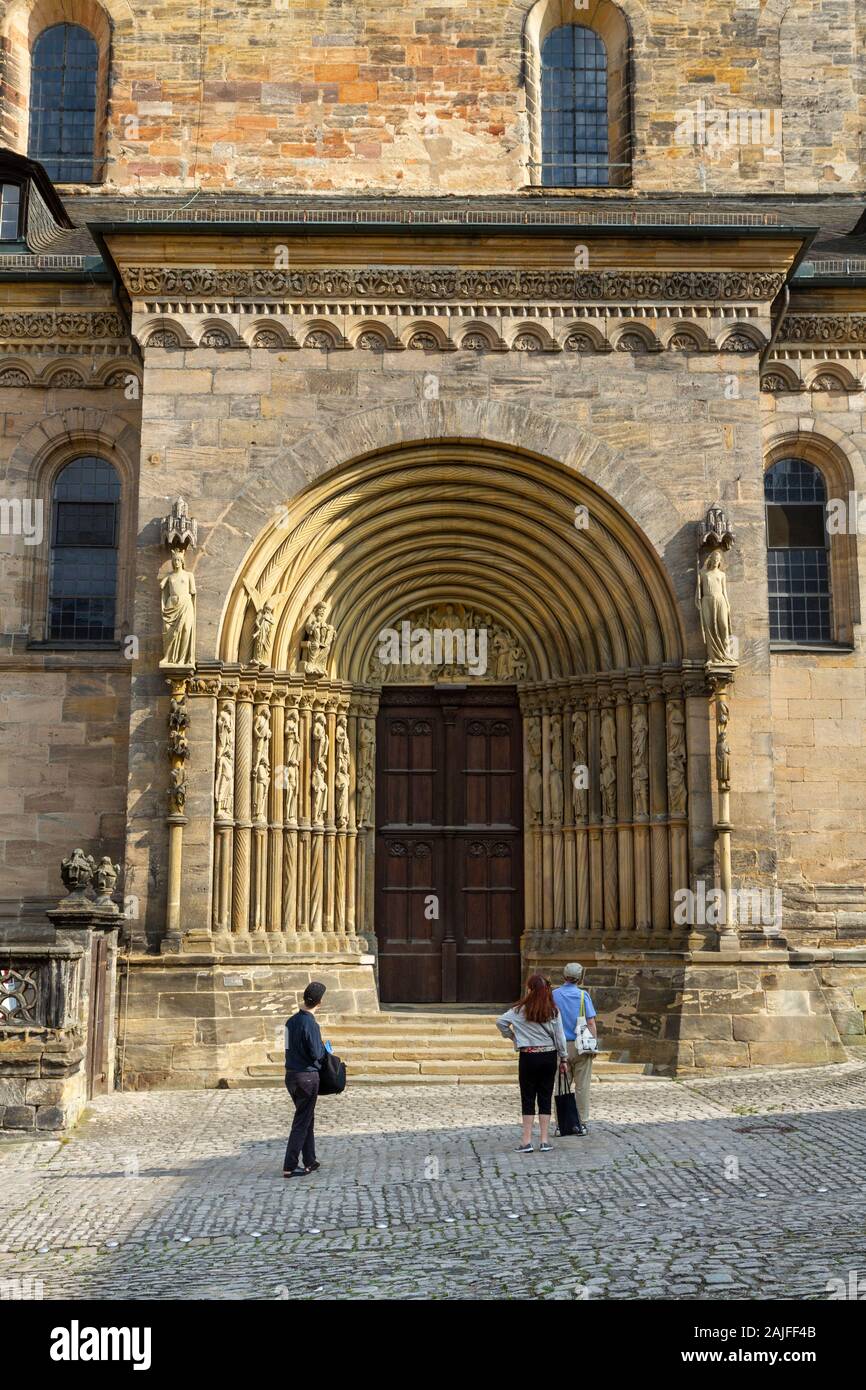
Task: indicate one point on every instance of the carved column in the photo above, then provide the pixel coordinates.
(640, 778)
(261, 775)
(580, 797)
(728, 934)
(568, 822)
(329, 867)
(625, 845)
(556, 817)
(275, 819)
(292, 777)
(608, 752)
(677, 791)
(534, 816)
(304, 832)
(342, 798)
(224, 798)
(319, 745)
(661, 906)
(243, 809)
(596, 862)
(178, 753)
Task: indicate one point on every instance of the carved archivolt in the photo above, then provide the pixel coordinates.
(408, 532)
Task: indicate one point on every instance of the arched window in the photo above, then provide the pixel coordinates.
(574, 139)
(82, 583)
(63, 100)
(798, 552)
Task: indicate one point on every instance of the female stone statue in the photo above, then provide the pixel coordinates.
(261, 765)
(224, 784)
(262, 632)
(341, 777)
(714, 608)
(293, 762)
(608, 764)
(534, 791)
(178, 614)
(555, 775)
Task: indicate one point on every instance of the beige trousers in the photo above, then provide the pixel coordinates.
(580, 1071)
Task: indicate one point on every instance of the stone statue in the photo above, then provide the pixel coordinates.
(580, 768)
(105, 880)
(261, 764)
(263, 631)
(555, 773)
(341, 776)
(676, 759)
(320, 794)
(317, 641)
(177, 790)
(608, 764)
(533, 787)
(293, 763)
(639, 760)
(723, 750)
(366, 773)
(178, 723)
(224, 778)
(715, 610)
(178, 614)
(77, 871)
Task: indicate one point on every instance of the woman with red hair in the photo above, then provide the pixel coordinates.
(536, 1028)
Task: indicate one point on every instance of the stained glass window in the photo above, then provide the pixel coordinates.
(83, 576)
(63, 102)
(574, 109)
(798, 555)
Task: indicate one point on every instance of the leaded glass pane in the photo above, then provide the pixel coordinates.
(63, 102)
(574, 109)
(10, 209)
(83, 577)
(798, 558)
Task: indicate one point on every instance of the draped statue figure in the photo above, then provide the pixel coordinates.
(715, 609)
(178, 614)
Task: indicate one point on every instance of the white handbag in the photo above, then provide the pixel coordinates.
(584, 1041)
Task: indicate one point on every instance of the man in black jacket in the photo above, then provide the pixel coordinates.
(304, 1053)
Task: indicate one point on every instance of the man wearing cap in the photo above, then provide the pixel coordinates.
(304, 1053)
(568, 999)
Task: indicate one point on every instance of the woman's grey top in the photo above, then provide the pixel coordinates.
(512, 1024)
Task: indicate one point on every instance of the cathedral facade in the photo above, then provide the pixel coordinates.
(432, 458)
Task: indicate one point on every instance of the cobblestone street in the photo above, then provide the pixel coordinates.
(751, 1185)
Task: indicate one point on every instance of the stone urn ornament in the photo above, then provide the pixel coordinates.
(105, 881)
(77, 871)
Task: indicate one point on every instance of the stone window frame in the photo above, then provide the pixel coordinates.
(611, 24)
(23, 24)
(46, 470)
(838, 477)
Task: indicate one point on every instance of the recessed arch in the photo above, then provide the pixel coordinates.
(544, 550)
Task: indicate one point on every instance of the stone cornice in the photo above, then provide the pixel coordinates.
(824, 328)
(62, 324)
(465, 285)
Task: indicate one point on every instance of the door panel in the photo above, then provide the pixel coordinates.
(449, 842)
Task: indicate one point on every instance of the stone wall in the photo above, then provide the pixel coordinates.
(431, 98)
(63, 714)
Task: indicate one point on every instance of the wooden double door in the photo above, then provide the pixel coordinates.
(449, 845)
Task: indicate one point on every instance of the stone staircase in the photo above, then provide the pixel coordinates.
(436, 1045)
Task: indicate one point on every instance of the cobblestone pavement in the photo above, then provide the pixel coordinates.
(752, 1185)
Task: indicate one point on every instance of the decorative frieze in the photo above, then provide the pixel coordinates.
(824, 328)
(50, 323)
(435, 283)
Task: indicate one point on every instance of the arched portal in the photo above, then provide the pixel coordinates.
(565, 614)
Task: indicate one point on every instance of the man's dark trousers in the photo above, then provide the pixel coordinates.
(303, 1087)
